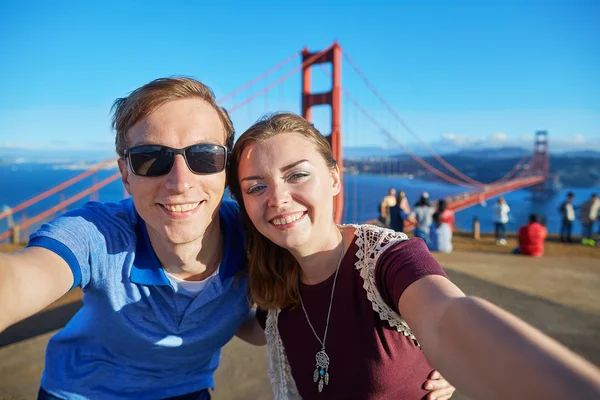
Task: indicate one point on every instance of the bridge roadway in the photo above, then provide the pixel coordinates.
(468, 199)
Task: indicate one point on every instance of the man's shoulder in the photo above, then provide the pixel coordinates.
(230, 212)
(110, 215)
(234, 258)
(95, 215)
(231, 222)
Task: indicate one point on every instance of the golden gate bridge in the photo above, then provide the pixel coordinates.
(536, 173)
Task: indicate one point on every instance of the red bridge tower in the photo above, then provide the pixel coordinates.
(333, 98)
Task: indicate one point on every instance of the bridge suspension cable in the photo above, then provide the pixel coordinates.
(390, 136)
(278, 81)
(63, 204)
(472, 182)
(56, 189)
(258, 78)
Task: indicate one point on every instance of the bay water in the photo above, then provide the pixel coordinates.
(362, 194)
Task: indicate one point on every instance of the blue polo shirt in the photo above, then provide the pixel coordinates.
(137, 335)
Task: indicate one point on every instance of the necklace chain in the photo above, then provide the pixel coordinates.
(337, 269)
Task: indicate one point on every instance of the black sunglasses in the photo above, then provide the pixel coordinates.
(157, 160)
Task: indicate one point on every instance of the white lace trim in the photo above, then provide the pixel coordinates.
(372, 241)
(279, 370)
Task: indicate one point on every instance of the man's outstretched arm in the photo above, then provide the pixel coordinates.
(30, 280)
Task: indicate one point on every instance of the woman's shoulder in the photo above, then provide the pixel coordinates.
(373, 234)
(374, 240)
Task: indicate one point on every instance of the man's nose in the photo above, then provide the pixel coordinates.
(180, 178)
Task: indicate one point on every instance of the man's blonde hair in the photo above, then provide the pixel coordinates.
(144, 100)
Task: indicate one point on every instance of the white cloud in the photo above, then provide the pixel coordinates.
(459, 140)
(498, 137)
(449, 136)
(579, 139)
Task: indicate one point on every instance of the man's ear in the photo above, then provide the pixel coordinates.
(124, 169)
(336, 182)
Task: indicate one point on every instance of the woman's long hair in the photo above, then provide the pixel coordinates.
(273, 271)
(442, 206)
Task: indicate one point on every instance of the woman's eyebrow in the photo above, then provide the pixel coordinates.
(292, 165)
(282, 169)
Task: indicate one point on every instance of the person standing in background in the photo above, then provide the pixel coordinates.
(422, 217)
(446, 215)
(404, 206)
(500, 211)
(441, 235)
(384, 208)
(588, 214)
(399, 212)
(396, 221)
(567, 213)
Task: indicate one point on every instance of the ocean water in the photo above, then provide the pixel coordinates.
(362, 193)
(368, 190)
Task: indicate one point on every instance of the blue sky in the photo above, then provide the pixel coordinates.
(459, 73)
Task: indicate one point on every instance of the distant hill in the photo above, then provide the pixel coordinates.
(368, 151)
(492, 153)
(581, 154)
(508, 152)
(485, 165)
(20, 155)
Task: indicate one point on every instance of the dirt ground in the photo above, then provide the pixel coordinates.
(558, 293)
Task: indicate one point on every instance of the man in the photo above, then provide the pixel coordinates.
(567, 213)
(422, 217)
(384, 207)
(500, 217)
(160, 272)
(588, 214)
(531, 238)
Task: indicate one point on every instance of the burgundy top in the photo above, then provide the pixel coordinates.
(368, 358)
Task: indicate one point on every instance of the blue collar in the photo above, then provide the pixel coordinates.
(147, 270)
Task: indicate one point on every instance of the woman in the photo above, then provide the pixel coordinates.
(321, 282)
(446, 215)
(441, 235)
(399, 212)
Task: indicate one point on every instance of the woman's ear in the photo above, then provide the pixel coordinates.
(336, 182)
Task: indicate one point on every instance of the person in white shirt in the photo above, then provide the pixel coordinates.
(500, 211)
(441, 235)
(588, 214)
(567, 212)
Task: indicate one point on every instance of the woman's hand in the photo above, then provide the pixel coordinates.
(440, 388)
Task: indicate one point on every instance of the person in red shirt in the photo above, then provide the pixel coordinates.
(531, 238)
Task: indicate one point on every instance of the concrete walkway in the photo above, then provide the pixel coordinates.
(558, 295)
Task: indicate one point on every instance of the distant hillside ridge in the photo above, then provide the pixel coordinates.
(352, 153)
(484, 166)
